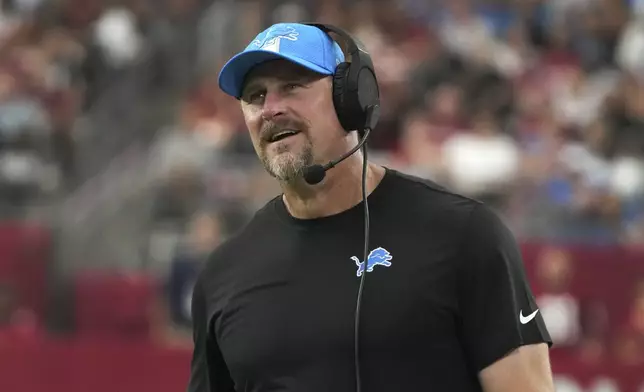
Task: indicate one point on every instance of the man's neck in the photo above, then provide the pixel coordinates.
(340, 190)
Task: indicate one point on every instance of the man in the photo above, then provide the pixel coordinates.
(447, 309)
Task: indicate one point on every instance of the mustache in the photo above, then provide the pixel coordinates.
(271, 127)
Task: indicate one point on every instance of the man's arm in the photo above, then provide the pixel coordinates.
(208, 371)
(504, 335)
(525, 369)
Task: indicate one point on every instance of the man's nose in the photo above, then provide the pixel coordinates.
(273, 106)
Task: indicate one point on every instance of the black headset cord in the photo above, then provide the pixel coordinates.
(366, 265)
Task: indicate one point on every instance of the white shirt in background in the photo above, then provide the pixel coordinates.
(476, 163)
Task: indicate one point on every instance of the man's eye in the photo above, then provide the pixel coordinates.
(292, 86)
(255, 96)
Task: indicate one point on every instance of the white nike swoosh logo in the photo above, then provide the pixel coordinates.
(527, 319)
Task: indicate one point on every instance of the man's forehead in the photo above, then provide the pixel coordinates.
(279, 70)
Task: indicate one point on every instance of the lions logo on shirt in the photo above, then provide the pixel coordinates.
(378, 256)
(271, 41)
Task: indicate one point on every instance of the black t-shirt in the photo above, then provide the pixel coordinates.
(273, 310)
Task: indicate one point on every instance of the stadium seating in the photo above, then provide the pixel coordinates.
(113, 305)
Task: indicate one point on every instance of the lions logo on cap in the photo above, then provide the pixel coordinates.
(271, 40)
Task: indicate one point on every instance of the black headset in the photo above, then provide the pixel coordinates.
(356, 95)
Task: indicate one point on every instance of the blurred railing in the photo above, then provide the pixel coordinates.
(115, 136)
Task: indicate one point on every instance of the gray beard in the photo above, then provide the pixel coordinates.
(287, 167)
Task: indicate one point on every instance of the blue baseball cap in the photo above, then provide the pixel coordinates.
(301, 44)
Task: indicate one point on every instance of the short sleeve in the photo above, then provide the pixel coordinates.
(208, 371)
(497, 310)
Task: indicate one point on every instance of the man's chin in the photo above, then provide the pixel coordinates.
(286, 168)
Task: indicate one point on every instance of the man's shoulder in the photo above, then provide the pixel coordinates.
(445, 214)
(423, 194)
(423, 205)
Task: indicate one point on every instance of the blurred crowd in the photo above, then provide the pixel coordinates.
(40, 97)
(74, 77)
(534, 106)
(593, 315)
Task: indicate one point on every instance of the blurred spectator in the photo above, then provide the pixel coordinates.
(204, 233)
(514, 56)
(417, 151)
(629, 342)
(118, 37)
(637, 312)
(577, 99)
(482, 163)
(631, 44)
(561, 310)
(24, 131)
(464, 31)
(187, 144)
(592, 347)
(179, 197)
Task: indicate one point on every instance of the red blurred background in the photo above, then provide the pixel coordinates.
(122, 166)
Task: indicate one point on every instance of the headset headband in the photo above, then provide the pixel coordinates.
(355, 48)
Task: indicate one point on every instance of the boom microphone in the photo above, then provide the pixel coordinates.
(314, 174)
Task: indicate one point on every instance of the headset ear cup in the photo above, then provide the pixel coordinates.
(340, 99)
